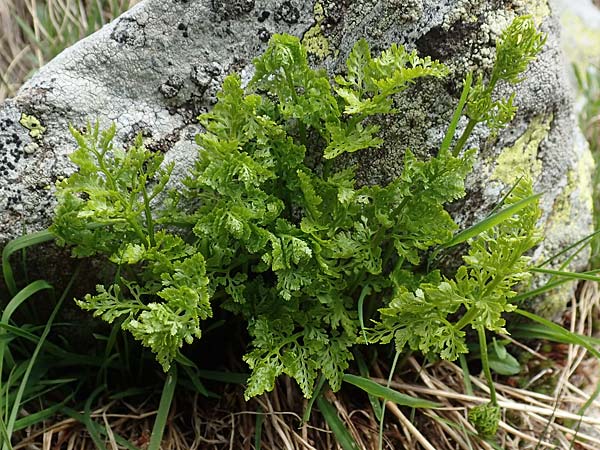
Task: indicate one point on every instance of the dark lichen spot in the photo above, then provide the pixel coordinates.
(129, 32)
(441, 45)
(171, 87)
(264, 35)
(287, 12)
(230, 9)
(263, 16)
(204, 75)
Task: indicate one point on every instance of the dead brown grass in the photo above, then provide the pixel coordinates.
(34, 31)
(540, 409)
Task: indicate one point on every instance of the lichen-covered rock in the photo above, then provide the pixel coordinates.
(155, 68)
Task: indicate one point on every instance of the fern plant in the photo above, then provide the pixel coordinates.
(270, 228)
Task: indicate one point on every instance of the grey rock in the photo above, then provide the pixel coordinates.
(154, 69)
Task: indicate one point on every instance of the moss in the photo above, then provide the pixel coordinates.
(521, 158)
(36, 130)
(314, 41)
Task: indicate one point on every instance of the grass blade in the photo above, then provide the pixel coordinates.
(457, 114)
(5, 317)
(569, 275)
(554, 332)
(12, 306)
(491, 221)
(364, 372)
(373, 388)
(343, 436)
(163, 409)
(16, 245)
(260, 418)
(311, 401)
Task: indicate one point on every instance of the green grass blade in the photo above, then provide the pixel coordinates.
(585, 240)
(260, 418)
(564, 274)
(95, 430)
(195, 380)
(554, 332)
(21, 296)
(14, 246)
(12, 306)
(535, 292)
(39, 416)
(343, 436)
(388, 394)
(4, 435)
(491, 221)
(163, 409)
(364, 372)
(311, 401)
(457, 114)
(17, 402)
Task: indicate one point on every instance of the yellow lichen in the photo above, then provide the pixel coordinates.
(313, 40)
(521, 158)
(539, 9)
(581, 43)
(561, 219)
(33, 125)
(578, 179)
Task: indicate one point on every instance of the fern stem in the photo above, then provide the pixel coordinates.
(463, 137)
(149, 220)
(486, 364)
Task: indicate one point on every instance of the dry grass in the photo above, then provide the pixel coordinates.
(542, 414)
(34, 31)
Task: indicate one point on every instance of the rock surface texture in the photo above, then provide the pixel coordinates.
(156, 67)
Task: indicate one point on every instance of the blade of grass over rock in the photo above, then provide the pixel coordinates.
(585, 240)
(505, 196)
(491, 221)
(163, 409)
(569, 275)
(16, 245)
(535, 292)
(457, 114)
(342, 435)
(375, 389)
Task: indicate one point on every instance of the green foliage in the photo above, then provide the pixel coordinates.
(269, 228)
(485, 418)
(105, 208)
(518, 45)
(482, 289)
